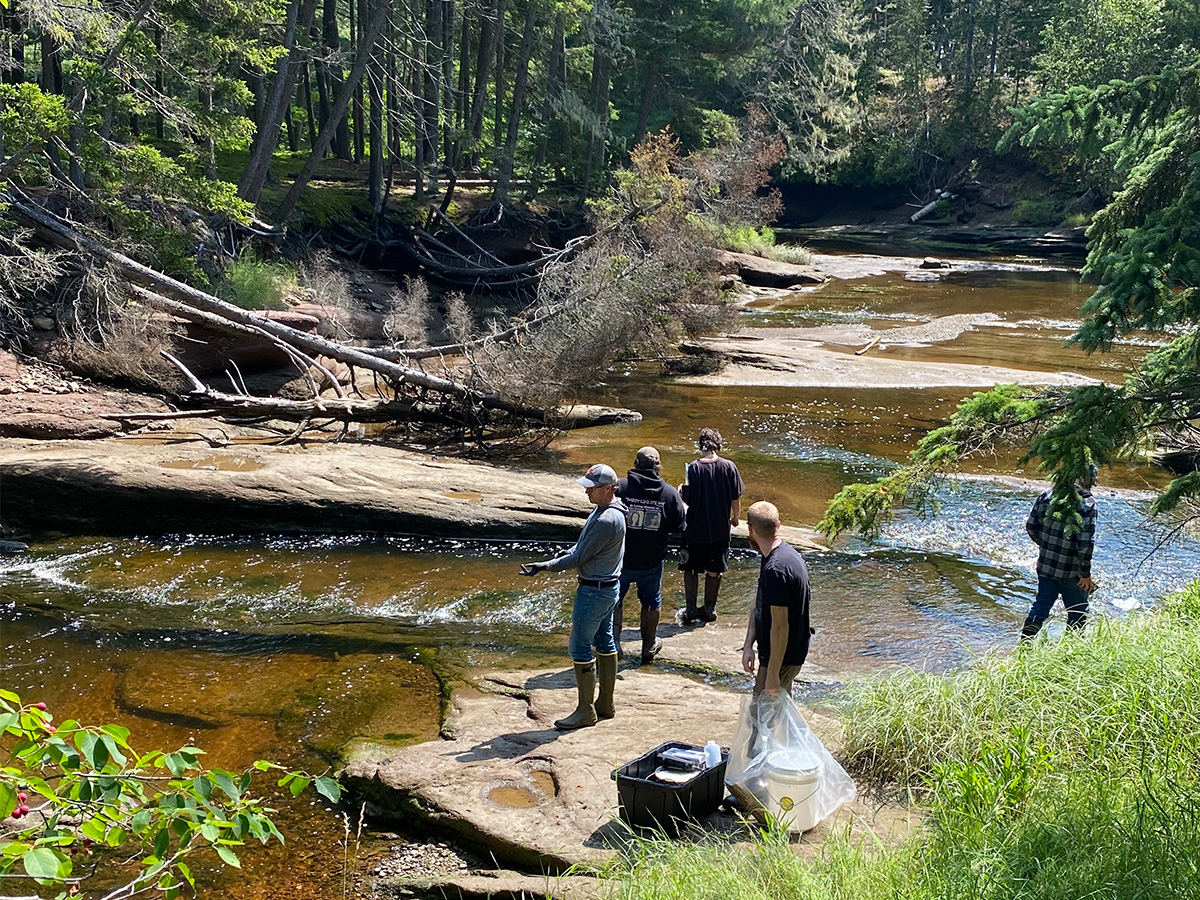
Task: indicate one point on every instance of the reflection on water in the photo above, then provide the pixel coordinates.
(289, 648)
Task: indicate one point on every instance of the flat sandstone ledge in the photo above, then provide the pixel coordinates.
(544, 800)
(136, 487)
(793, 362)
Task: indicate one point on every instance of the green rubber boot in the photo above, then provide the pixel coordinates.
(585, 712)
(606, 674)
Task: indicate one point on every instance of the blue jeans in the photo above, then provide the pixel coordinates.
(1075, 599)
(591, 622)
(649, 585)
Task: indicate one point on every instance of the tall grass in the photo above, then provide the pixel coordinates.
(1068, 770)
(1126, 690)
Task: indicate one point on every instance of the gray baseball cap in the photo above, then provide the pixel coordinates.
(597, 475)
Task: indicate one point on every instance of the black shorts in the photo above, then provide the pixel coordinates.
(711, 557)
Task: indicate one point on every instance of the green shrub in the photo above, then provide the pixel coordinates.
(254, 284)
(1035, 211)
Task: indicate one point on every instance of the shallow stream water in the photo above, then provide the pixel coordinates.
(288, 648)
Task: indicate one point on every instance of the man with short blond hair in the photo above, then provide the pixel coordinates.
(779, 623)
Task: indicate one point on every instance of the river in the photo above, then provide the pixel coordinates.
(285, 648)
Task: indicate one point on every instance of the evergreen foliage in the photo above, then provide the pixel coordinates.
(1144, 250)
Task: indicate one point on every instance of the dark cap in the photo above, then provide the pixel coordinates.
(648, 460)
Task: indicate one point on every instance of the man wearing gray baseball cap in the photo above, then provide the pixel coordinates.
(597, 555)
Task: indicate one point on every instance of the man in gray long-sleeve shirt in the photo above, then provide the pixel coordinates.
(597, 555)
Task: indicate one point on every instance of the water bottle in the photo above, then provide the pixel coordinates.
(712, 754)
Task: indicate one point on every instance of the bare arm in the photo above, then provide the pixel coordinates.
(748, 646)
(735, 511)
(779, 642)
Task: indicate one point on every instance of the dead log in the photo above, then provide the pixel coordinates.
(57, 232)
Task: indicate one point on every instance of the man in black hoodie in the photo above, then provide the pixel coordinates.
(654, 510)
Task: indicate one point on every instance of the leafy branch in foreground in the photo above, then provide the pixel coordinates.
(1144, 250)
(70, 792)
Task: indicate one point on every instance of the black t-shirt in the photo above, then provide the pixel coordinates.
(653, 511)
(783, 581)
(709, 489)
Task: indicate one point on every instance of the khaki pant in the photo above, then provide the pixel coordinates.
(787, 675)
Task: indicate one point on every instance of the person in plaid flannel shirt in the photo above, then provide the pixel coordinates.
(1064, 566)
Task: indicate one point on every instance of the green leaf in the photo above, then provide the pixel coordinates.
(299, 783)
(175, 764)
(119, 733)
(202, 786)
(186, 873)
(9, 695)
(8, 799)
(114, 752)
(94, 829)
(228, 856)
(209, 831)
(8, 720)
(162, 843)
(329, 788)
(140, 821)
(46, 864)
(225, 783)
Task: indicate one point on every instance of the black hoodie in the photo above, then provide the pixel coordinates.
(654, 510)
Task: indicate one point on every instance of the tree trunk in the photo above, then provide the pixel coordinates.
(417, 91)
(639, 132)
(333, 77)
(507, 158)
(598, 139)
(487, 55)
(329, 126)
(52, 76)
(308, 106)
(360, 122)
(375, 75)
(501, 61)
(431, 90)
(299, 17)
(555, 79)
(15, 40)
(205, 95)
(447, 79)
(160, 123)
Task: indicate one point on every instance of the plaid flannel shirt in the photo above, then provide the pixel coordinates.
(1060, 555)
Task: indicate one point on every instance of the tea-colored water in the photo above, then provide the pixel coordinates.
(288, 649)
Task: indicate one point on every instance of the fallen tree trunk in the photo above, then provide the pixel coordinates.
(192, 300)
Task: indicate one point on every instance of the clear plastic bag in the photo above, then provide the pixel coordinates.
(778, 766)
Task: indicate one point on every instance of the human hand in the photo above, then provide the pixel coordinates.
(1086, 583)
(532, 568)
(748, 658)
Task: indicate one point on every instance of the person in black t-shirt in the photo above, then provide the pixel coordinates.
(653, 511)
(779, 624)
(712, 489)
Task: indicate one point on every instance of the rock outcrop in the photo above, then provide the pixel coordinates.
(133, 487)
(762, 272)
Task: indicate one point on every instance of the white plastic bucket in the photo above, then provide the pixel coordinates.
(791, 779)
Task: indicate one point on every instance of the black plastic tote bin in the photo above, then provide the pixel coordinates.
(654, 804)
